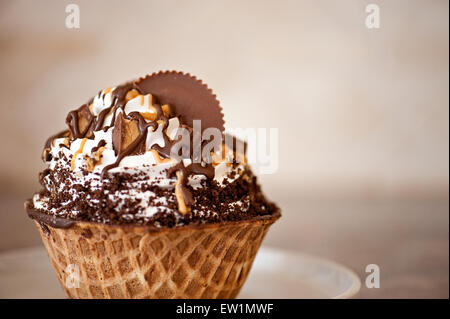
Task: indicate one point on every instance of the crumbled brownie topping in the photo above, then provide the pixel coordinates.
(140, 124)
(114, 202)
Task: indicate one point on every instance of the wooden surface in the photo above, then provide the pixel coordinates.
(364, 112)
(407, 239)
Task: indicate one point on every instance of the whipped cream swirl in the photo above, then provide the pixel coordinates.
(84, 159)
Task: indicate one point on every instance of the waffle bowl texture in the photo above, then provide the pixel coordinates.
(193, 261)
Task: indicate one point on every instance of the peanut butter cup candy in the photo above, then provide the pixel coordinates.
(147, 196)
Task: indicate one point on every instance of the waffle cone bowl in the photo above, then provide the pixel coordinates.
(194, 261)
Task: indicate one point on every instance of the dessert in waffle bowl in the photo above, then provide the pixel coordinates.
(145, 196)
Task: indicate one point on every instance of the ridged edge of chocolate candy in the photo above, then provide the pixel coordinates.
(209, 110)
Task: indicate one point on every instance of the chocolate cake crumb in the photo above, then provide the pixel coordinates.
(78, 186)
(231, 201)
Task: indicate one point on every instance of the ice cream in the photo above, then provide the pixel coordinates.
(122, 162)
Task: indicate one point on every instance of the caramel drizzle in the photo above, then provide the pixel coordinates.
(93, 162)
(49, 142)
(119, 97)
(72, 121)
(100, 152)
(179, 194)
(106, 91)
(131, 95)
(183, 172)
(150, 116)
(65, 143)
(143, 130)
(96, 152)
(223, 156)
(158, 158)
(72, 162)
(99, 145)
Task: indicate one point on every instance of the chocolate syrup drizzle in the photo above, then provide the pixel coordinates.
(46, 156)
(119, 100)
(72, 120)
(47, 219)
(100, 144)
(186, 171)
(143, 130)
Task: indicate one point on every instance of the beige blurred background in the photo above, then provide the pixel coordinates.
(363, 114)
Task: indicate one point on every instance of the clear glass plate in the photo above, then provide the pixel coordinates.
(27, 273)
